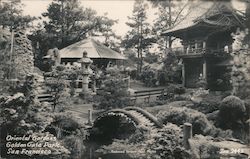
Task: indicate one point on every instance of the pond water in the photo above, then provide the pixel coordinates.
(92, 154)
(103, 133)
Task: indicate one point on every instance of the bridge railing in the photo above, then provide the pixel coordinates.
(119, 111)
(126, 112)
(146, 114)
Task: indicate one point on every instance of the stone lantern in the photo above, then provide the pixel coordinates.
(85, 68)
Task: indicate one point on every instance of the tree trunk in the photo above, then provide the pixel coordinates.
(248, 21)
(62, 25)
(170, 24)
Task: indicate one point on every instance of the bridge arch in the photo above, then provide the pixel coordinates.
(121, 123)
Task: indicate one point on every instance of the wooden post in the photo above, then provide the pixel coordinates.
(89, 116)
(188, 48)
(204, 47)
(187, 134)
(183, 74)
(205, 70)
(196, 46)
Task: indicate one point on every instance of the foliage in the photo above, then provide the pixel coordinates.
(114, 92)
(151, 58)
(173, 89)
(247, 22)
(209, 103)
(68, 22)
(148, 77)
(19, 62)
(180, 115)
(22, 114)
(167, 143)
(240, 74)
(139, 135)
(180, 90)
(169, 14)
(75, 145)
(203, 147)
(171, 72)
(198, 95)
(73, 133)
(26, 116)
(71, 20)
(146, 143)
(11, 15)
(56, 81)
(231, 114)
(139, 37)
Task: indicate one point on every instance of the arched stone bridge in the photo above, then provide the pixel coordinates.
(135, 115)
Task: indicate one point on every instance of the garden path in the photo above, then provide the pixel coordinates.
(80, 111)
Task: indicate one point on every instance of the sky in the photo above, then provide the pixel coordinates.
(116, 9)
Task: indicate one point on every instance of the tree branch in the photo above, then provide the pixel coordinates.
(179, 13)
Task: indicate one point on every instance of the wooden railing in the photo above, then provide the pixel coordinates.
(179, 51)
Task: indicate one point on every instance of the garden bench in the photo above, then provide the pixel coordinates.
(45, 98)
(146, 94)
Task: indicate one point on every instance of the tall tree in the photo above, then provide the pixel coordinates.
(67, 22)
(111, 39)
(70, 21)
(139, 36)
(248, 21)
(11, 15)
(169, 13)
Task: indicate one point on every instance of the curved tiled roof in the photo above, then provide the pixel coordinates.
(199, 13)
(94, 49)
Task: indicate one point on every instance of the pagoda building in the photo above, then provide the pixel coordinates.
(205, 34)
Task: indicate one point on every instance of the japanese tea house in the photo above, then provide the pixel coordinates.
(205, 33)
(99, 53)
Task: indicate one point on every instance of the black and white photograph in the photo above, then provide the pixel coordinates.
(125, 79)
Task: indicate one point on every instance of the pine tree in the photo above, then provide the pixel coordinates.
(11, 15)
(169, 14)
(68, 22)
(140, 35)
(248, 21)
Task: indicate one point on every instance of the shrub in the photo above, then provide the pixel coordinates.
(57, 85)
(114, 92)
(247, 105)
(139, 135)
(180, 115)
(21, 115)
(167, 143)
(231, 112)
(203, 147)
(208, 104)
(163, 78)
(148, 77)
(151, 58)
(172, 68)
(75, 145)
(179, 90)
(164, 143)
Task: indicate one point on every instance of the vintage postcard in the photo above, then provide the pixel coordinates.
(124, 79)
